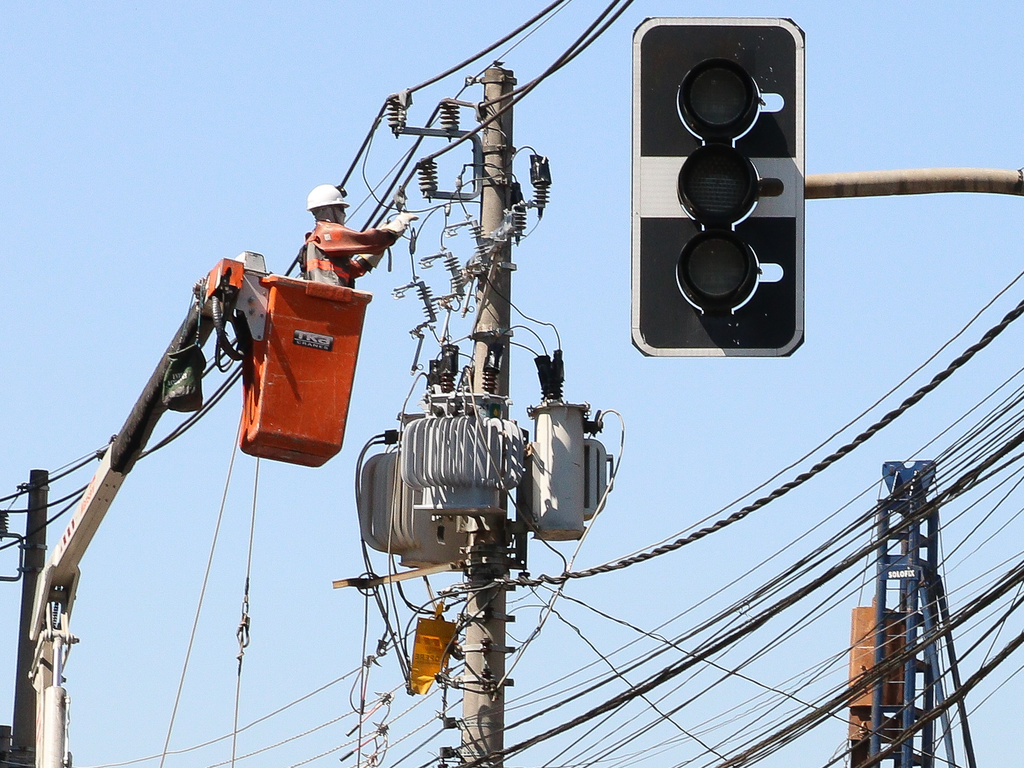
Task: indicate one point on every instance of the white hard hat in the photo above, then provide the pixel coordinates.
(325, 194)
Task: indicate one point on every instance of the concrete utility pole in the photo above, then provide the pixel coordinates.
(483, 706)
(23, 736)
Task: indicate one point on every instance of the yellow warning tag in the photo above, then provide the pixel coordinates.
(430, 651)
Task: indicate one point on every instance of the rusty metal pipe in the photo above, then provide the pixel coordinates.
(914, 181)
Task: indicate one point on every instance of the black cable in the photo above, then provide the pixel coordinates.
(365, 144)
(622, 677)
(801, 725)
(581, 44)
(843, 693)
(191, 421)
(26, 487)
(17, 542)
(974, 476)
(390, 635)
(709, 648)
(978, 606)
(578, 46)
(968, 353)
(451, 70)
(76, 494)
(785, 488)
(524, 26)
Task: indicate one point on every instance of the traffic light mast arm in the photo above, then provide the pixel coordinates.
(913, 181)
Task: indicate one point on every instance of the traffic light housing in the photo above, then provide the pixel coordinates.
(718, 187)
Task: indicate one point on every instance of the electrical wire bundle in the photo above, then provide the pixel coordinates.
(697, 689)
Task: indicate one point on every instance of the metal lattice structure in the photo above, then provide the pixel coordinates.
(892, 720)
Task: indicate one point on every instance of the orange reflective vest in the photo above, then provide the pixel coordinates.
(331, 248)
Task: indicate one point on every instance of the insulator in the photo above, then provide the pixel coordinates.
(427, 296)
(541, 195)
(427, 171)
(447, 381)
(517, 207)
(540, 178)
(490, 381)
(452, 264)
(483, 244)
(492, 367)
(55, 615)
(449, 116)
(519, 221)
(397, 113)
(4, 518)
(440, 376)
(551, 373)
(442, 371)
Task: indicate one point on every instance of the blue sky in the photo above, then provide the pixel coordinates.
(141, 143)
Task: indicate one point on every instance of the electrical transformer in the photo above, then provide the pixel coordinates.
(390, 522)
(567, 472)
(462, 464)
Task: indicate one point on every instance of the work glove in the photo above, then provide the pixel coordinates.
(399, 224)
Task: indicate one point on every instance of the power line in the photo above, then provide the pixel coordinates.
(450, 71)
(822, 465)
(74, 499)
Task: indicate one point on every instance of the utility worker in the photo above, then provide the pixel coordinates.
(335, 254)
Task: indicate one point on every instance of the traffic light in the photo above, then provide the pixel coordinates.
(718, 187)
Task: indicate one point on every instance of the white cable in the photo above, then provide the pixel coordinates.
(199, 607)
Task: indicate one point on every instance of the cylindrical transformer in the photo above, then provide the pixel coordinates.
(557, 471)
(389, 522)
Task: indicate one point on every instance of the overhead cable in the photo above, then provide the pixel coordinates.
(227, 736)
(578, 46)
(717, 644)
(450, 71)
(199, 608)
(799, 480)
(74, 498)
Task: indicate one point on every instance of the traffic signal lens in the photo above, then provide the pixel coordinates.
(717, 185)
(717, 271)
(718, 100)
(718, 97)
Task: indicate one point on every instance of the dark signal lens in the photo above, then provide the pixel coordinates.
(717, 185)
(718, 100)
(717, 271)
(719, 97)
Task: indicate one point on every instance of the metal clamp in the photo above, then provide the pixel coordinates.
(487, 648)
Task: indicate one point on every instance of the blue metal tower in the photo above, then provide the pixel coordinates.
(910, 602)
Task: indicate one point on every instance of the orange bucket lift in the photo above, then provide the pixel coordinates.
(297, 375)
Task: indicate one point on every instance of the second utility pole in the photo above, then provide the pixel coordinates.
(483, 703)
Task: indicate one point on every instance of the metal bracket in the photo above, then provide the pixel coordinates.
(21, 555)
(253, 300)
(478, 159)
(363, 582)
